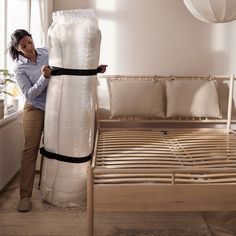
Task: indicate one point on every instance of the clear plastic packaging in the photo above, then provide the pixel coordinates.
(74, 43)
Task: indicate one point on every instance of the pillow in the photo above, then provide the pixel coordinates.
(192, 98)
(136, 98)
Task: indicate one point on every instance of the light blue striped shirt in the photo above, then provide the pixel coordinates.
(30, 80)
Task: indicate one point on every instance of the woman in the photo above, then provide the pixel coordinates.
(32, 74)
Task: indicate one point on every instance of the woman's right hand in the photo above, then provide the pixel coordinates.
(46, 71)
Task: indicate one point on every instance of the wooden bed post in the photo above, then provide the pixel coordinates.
(230, 101)
(90, 189)
(90, 213)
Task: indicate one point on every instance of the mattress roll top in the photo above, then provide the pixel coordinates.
(74, 43)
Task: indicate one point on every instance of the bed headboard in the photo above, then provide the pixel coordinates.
(167, 99)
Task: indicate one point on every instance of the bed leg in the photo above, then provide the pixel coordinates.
(90, 212)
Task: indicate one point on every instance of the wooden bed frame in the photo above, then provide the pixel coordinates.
(149, 168)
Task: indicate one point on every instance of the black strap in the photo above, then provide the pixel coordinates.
(59, 157)
(65, 71)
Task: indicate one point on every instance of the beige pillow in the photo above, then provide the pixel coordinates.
(192, 98)
(136, 98)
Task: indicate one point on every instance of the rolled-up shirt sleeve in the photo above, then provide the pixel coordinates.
(30, 91)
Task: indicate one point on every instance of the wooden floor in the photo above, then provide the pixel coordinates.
(48, 220)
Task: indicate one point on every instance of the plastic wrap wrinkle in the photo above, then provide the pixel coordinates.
(64, 184)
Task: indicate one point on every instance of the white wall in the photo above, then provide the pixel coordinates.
(11, 146)
(159, 37)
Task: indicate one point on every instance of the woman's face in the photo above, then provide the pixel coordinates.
(26, 46)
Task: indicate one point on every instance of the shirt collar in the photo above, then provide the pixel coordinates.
(23, 59)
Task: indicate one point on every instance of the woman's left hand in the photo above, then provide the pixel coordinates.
(102, 68)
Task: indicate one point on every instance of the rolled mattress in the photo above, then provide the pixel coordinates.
(74, 43)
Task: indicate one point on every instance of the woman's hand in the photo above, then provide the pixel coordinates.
(102, 68)
(46, 71)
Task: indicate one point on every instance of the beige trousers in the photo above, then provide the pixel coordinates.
(33, 123)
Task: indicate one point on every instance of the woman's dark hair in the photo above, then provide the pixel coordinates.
(16, 36)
